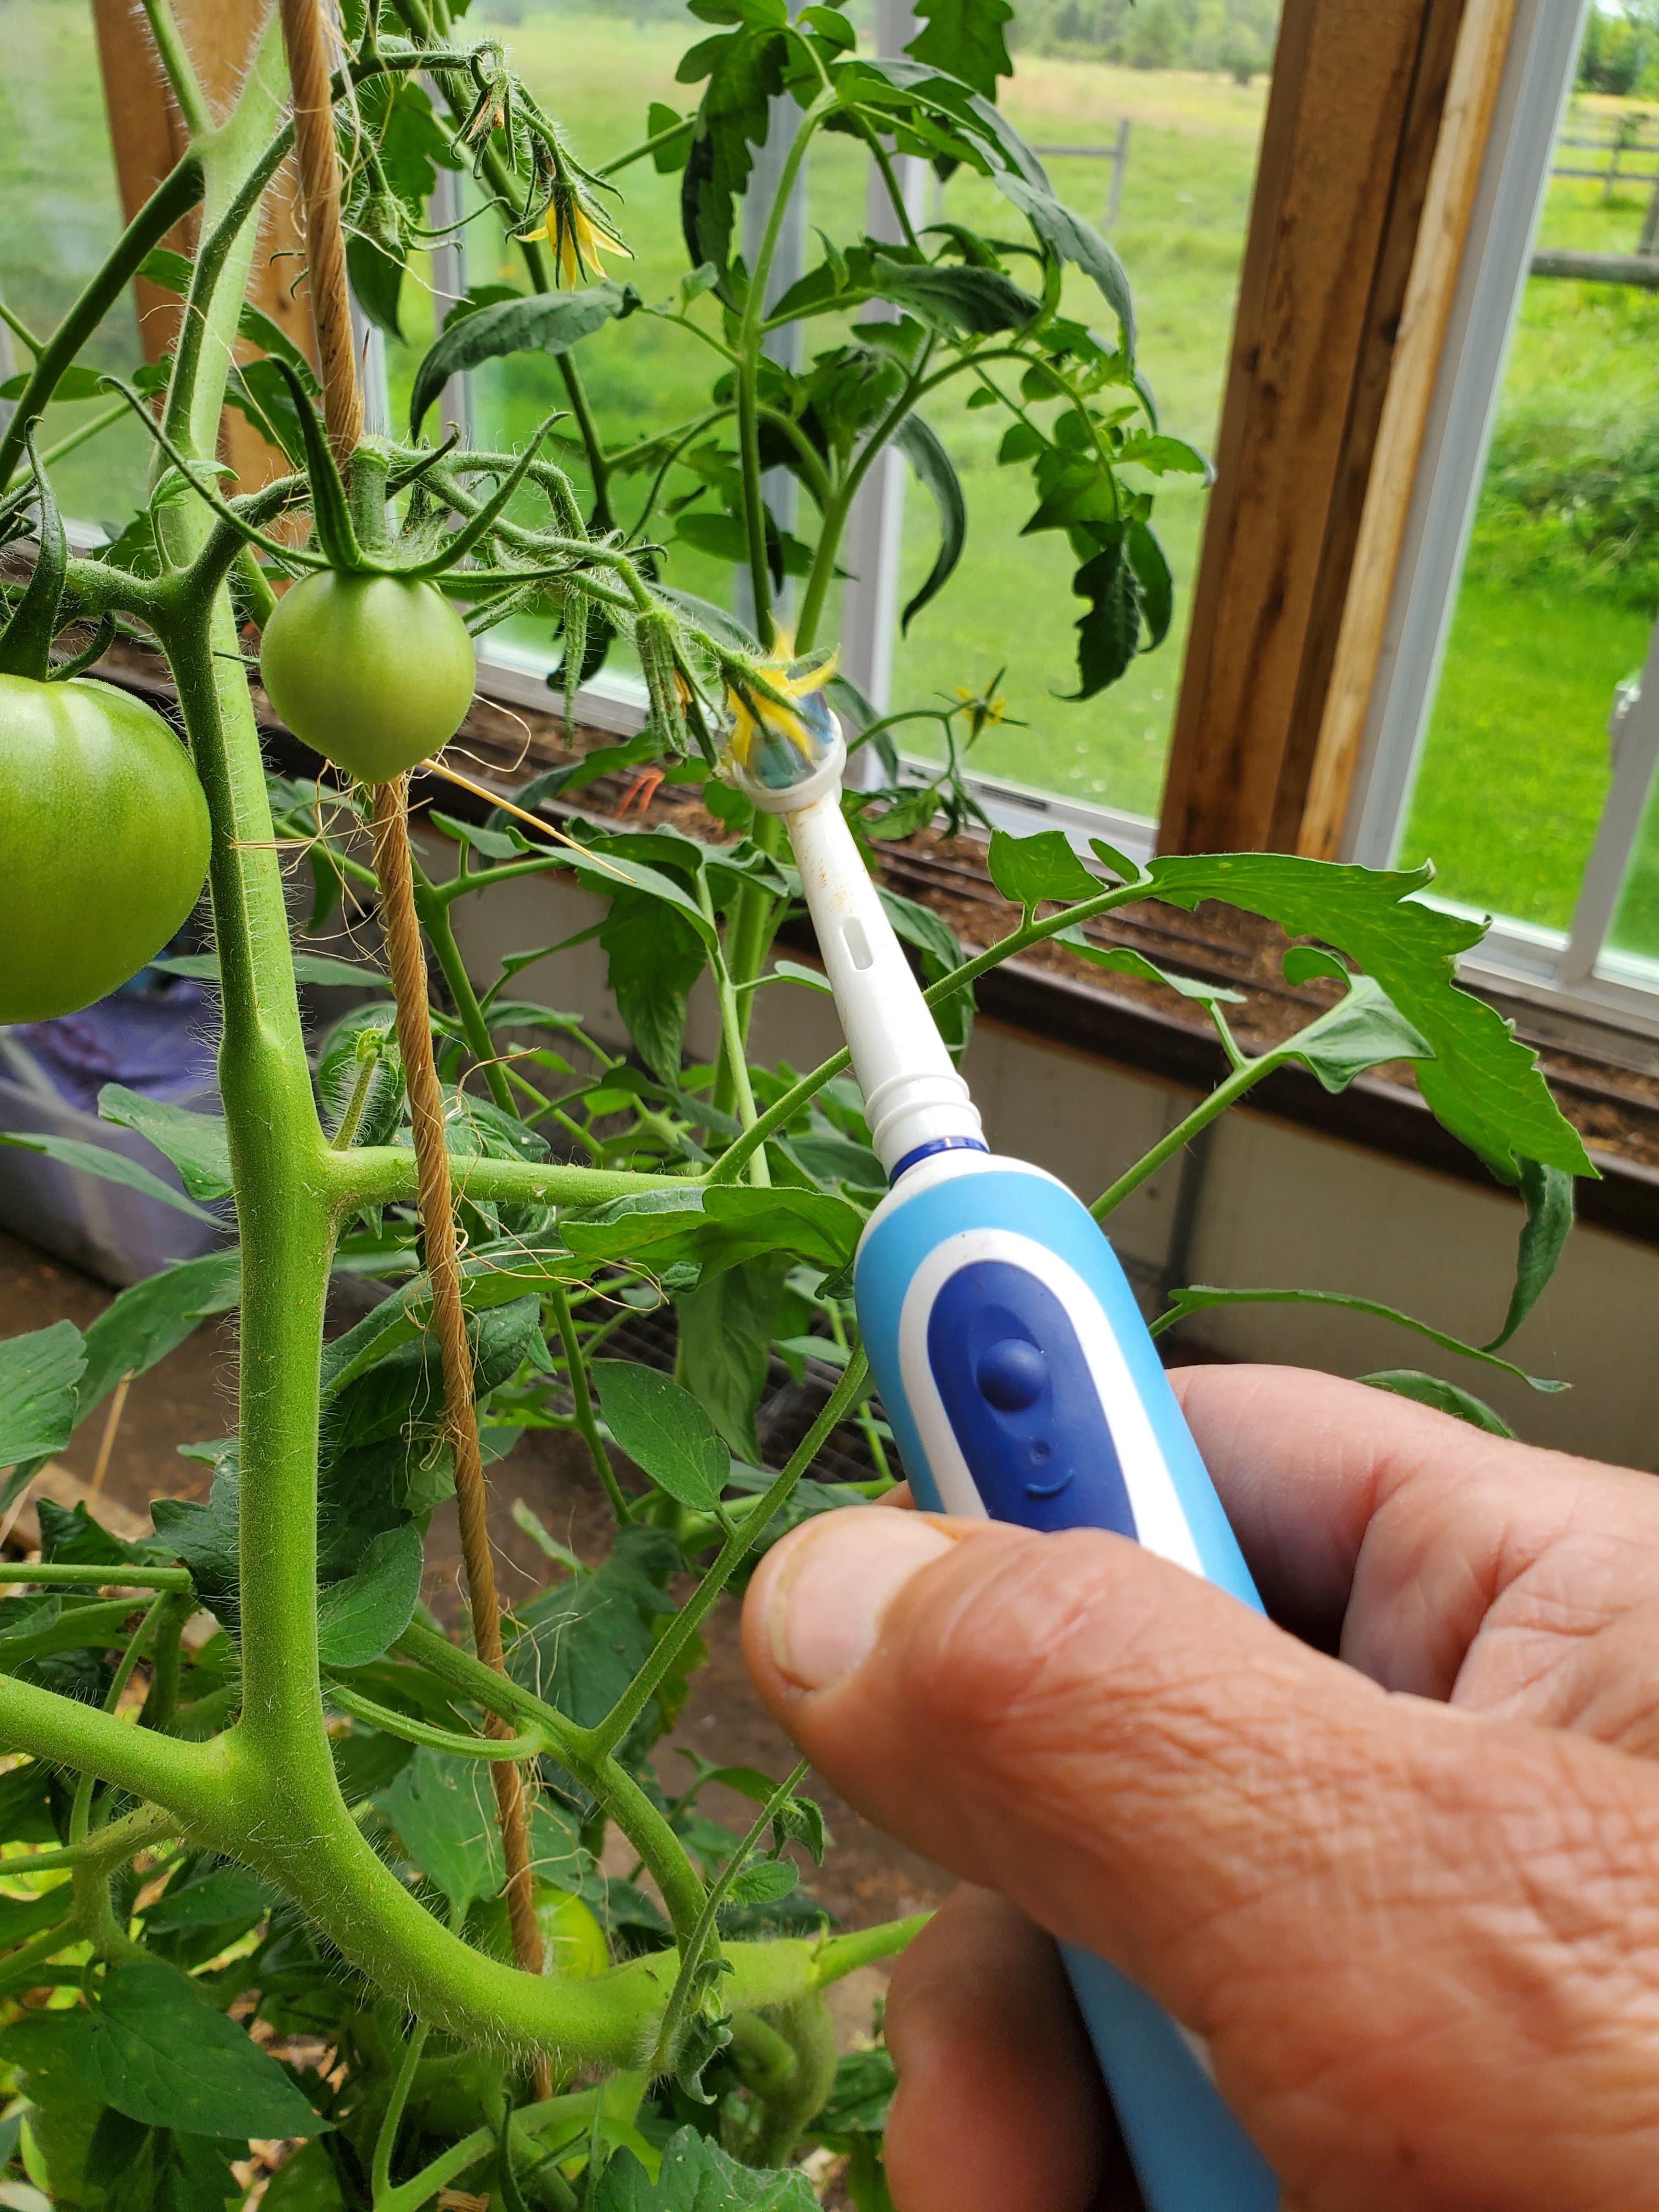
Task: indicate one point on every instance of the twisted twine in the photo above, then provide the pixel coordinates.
(407, 961)
(305, 35)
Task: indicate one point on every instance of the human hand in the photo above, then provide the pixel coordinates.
(1408, 1892)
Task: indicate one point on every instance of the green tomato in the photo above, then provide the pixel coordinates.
(373, 672)
(104, 842)
(573, 1942)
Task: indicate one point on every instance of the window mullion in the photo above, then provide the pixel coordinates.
(875, 527)
(1634, 730)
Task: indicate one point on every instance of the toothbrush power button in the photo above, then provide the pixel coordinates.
(1011, 1374)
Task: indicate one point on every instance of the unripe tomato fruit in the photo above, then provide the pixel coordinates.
(573, 1942)
(104, 842)
(373, 672)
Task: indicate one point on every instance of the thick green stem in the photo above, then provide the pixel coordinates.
(751, 338)
(755, 915)
(733, 1010)
(56, 1575)
(383, 1174)
(434, 911)
(176, 63)
(576, 1750)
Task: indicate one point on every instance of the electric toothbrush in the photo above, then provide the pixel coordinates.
(1016, 1372)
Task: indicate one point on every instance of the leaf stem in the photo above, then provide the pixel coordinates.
(62, 1575)
(171, 201)
(385, 2141)
(744, 1536)
(1208, 1110)
(410, 1730)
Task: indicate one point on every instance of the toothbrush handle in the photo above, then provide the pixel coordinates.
(1020, 1384)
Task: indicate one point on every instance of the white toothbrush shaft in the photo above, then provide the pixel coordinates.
(912, 1094)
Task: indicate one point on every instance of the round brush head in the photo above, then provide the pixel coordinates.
(784, 757)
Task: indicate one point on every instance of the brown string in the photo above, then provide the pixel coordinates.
(305, 35)
(307, 39)
(408, 963)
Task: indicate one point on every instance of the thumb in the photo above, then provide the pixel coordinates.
(1337, 1886)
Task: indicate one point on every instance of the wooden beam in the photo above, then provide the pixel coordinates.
(1359, 87)
(148, 136)
(1477, 73)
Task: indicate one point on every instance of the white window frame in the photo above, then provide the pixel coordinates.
(1571, 973)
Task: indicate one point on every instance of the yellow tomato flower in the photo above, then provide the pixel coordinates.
(577, 238)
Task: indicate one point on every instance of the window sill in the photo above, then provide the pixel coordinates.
(1606, 1081)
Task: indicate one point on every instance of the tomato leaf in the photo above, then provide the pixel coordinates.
(1200, 1298)
(966, 38)
(580, 1643)
(948, 296)
(1109, 634)
(1155, 583)
(697, 2176)
(1445, 1397)
(319, 967)
(1028, 870)
(543, 322)
(1364, 1030)
(937, 472)
(1481, 1084)
(664, 1431)
(1072, 238)
(654, 958)
(718, 1228)
(111, 1167)
(156, 2049)
(147, 1320)
(195, 1143)
(1125, 962)
(38, 1373)
(1163, 455)
(358, 1618)
(1548, 1197)
(443, 1808)
(745, 68)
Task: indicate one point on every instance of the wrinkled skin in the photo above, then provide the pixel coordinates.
(1395, 1853)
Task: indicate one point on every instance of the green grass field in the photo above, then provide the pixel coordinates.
(1515, 764)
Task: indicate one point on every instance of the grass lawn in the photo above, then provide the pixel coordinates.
(1514, 766)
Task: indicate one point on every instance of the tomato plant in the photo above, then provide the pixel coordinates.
(327, 1817)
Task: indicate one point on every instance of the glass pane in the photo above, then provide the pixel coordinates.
(1194, 132)
(59, 215)
(1635, 925)
(1562, 576)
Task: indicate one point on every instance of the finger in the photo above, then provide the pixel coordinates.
(999, 2103)
(1390, 1531)
(1347, 1893)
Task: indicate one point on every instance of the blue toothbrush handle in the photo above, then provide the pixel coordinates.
(1020, 1383)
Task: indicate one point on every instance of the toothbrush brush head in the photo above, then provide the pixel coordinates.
(787, 747)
